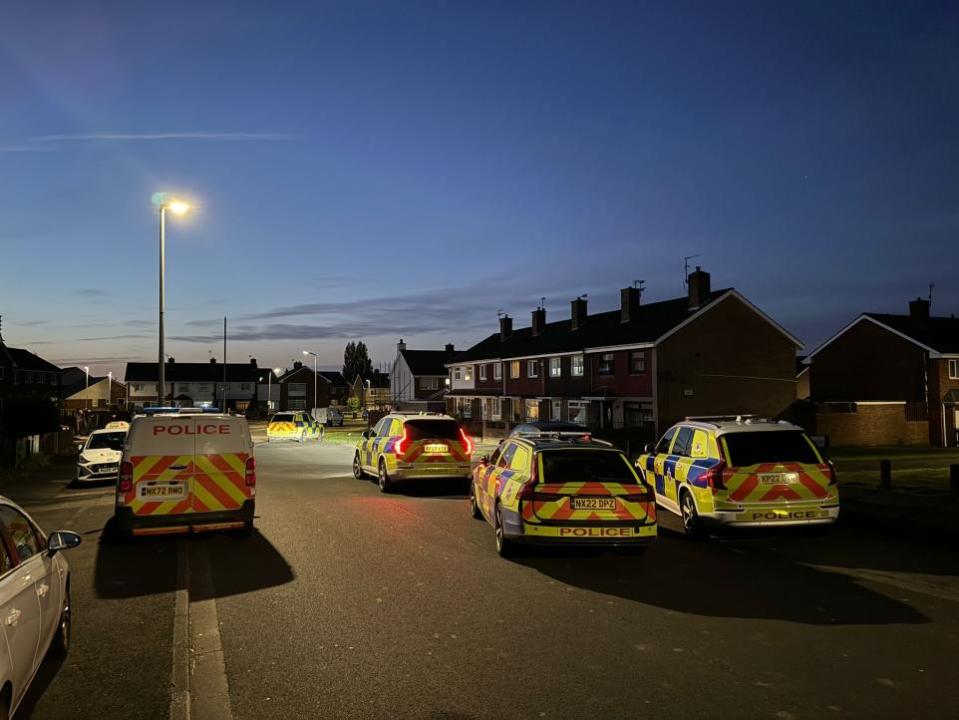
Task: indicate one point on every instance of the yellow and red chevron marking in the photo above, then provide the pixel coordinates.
(417, 448)
(559, 505)
(744, 486)
(281, 428)
(220, 482)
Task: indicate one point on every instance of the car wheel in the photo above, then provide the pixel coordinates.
(61, 641)
(357, 468)
(504, 546)
(474, 506)
(692, 525)
(384, 478)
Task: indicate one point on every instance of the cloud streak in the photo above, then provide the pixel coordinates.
(152, 137)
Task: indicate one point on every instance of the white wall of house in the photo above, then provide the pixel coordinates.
(402, 381)
(96, 392)
(198, 391)
(463, 377)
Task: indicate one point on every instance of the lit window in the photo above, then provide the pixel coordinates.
(637, 362)
(514, 369)
(532, 368)
(532, 410)
(576, 365)
(497, 371)
(556, 410)
(555, 367)
(493, 409)
(578, 411)
(606, 364)
(468, 373)
(482, 372)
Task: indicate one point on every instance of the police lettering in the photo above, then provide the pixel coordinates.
(594, 532)
(209, 429)
(783, 514)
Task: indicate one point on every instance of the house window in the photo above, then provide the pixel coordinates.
(578, 411)
(428, 383)
(606, 364)
(637, 362)
(555, 367)
(576, 366)
(297, 404)
(482, 372)
(514, 369)
(532, 410)
(296, 389)
(457, 373)
(465, 407)
(497, 371)
(556, 410)
(205, 387)
(636, 414)
(532, 368)
(493, 408)
(954, 369)
(468, 373)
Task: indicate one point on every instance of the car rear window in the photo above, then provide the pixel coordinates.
(432, 430)
(563, 466)
(107, 441)
(284, 417)
(752, 448)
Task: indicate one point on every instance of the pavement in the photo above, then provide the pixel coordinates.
(346, 603)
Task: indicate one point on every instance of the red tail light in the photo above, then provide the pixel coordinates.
(466, 441)
(400, 446)
(250, 472)
(832, 472)
(714, 476)
(528, 490)
(126, 477)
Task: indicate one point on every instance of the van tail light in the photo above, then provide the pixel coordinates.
(401, 444)
(126, 477)
(467, 442)
(832, 472)
(714, 476)
(528, 490)
(250, 472)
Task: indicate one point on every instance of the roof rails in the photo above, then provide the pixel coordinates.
(173, 410)
(741, 419)
(563, 437)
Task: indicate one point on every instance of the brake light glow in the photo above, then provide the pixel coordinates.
(467, 442)
(400, 446)
(125, 484)
(528, 490)
(250, 472)
(714, 476)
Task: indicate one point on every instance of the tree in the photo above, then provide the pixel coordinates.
(356, 361)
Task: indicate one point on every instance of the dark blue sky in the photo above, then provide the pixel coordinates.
(377, 170)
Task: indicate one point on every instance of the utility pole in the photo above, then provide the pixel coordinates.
(223, 409)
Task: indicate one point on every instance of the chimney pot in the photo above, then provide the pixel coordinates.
(919, 309)
(400, 346)
(505, 327)
(170, 360)
(699, 290)
(539, 320)
(253, 362)
(450, 348)
(212, 361)
(578, 312)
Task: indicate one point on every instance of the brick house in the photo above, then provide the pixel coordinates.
(297, 388)
(643, 366)
(888, 379)
(193, 384)
(94, 393)
(374, 391)
(419, 377)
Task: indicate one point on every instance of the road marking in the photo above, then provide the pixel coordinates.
(209, 692)
(180, 675)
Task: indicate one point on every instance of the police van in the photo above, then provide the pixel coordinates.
(184, 470)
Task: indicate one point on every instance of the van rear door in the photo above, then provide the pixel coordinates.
(223, 449)
(162, 449)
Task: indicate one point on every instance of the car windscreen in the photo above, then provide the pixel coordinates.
(564, 466)
(107, 441)
(432, 430)
(752, 448)
(282, 417)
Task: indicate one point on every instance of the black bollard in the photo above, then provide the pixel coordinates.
(885, 474)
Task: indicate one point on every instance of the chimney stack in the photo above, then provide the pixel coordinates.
(919, 309)
(253, 362)
(170, 360)
(450, 349)
(578, 312)
(539, 320)
(699, 291)
(629, 303)
(400, 346)
(212, 361)
(297, 364)
(505, 327)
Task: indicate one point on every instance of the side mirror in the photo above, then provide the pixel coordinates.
(648, 448)
(367, 433)
(484, 460)
(62, 540)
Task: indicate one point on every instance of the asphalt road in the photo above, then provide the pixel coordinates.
(350, 604)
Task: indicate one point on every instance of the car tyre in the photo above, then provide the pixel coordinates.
(474, 506)
(383, 478)
(692, 524)
(357, 468)
(505, 547)
(61, 640)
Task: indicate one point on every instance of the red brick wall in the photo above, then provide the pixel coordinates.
(939, 384)
(524, 386)
(872, 425)
(621, 382)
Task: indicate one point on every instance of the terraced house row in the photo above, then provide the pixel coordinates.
(638, 368)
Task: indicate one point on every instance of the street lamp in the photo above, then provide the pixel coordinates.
(177, 207)
(315, 383)
(86, 392)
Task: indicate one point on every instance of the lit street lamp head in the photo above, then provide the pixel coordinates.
(177, 207)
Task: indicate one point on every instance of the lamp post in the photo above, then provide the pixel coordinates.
(86, 392)
(110, 389)
(177, 207)
(315, 383)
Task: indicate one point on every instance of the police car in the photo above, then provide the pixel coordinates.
(558, 490)
(293, 425)
(100, 455)
(185, 470)
(413, 446)
(741, 470)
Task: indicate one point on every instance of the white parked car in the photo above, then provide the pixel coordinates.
(100, 456)
(34, 600)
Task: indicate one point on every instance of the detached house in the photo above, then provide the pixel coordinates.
(642, 366)
(418, 377)
(889, 379)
